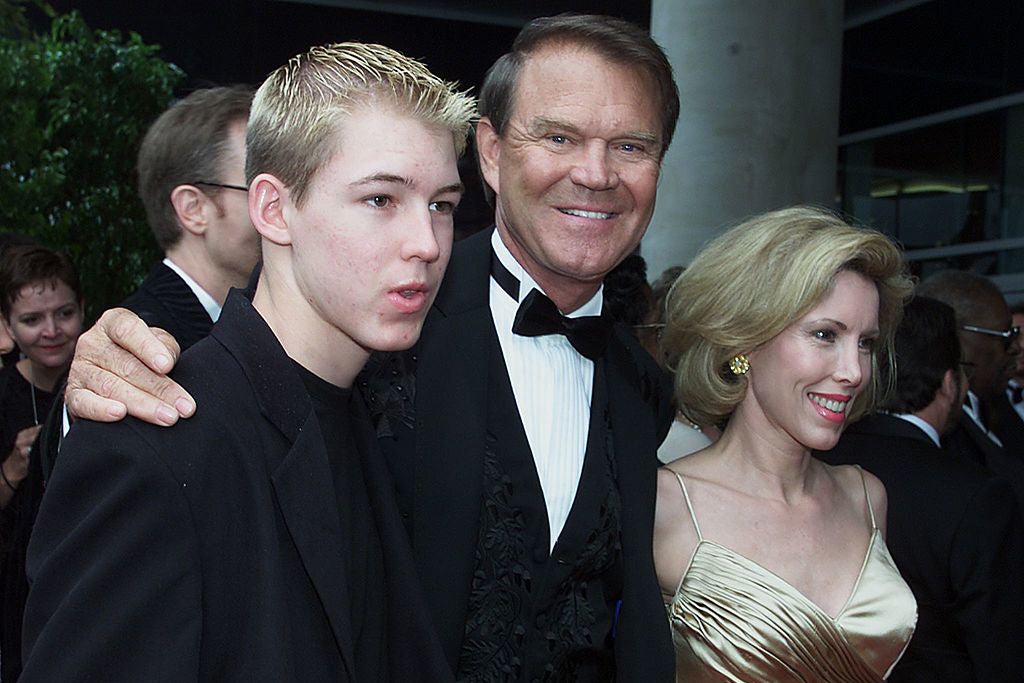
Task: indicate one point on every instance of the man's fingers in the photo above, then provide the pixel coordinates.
(82, 403)
(93, 391)
(119, 397)
(124, 329)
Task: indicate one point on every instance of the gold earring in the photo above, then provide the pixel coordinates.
(739, 364)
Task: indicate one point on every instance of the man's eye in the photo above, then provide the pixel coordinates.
(558, 139)
(630, 147)
(442, 207)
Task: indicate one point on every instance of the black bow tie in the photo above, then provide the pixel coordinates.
(1016, 394)
(538, 316)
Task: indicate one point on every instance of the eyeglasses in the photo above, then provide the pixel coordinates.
(225, 186)
(1007, 335)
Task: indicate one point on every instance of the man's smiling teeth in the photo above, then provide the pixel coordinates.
(586, 214)
(834, 406)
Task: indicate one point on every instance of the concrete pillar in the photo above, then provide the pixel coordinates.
(759, 88)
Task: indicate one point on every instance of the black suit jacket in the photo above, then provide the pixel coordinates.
(968, 441)
(437, 464)
(1010, 429)
(164, 300)
(212, 551)
(957, 537)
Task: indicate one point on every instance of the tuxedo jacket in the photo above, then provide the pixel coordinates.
(431, 410)
(968, 441)
(1010, 429)
(213, 551)
(957, 537)
(164, 300)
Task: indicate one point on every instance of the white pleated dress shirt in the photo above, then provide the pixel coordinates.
(553, 386)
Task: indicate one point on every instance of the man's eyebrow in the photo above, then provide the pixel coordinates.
(454, 187)
(542, 124)
(381, 178)
(402, 180)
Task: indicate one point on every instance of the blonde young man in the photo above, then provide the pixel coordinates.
(261, 541)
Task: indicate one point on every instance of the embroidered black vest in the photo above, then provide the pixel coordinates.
(535, 616)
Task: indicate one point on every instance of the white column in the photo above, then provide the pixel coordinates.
(759, 89)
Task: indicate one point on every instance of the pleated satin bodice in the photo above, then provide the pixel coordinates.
(734, 620)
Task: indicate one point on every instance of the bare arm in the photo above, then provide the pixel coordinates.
(120, 367)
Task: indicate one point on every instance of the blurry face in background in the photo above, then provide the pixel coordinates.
(233, 243)
(990, 359)
(45, 321)
(1018, 370)
(6, 343)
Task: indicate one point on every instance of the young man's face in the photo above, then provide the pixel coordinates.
(373, 237)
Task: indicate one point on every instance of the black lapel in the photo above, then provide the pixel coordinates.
(302, 479)
(411, 633)
(452, 378)
(304, 491)
(636, 407)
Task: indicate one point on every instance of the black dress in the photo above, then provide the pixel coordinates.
(16, 413)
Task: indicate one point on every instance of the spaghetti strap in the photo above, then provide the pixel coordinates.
(689, 506)
(871, 510)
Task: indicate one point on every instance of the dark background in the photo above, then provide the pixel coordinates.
(901, 58)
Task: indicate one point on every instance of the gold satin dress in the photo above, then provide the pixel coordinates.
(733, 620)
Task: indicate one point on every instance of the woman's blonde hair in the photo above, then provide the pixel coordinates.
(758, 278)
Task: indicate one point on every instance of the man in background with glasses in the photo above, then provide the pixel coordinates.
(1011, 427)
(191, 169)
(990, 349)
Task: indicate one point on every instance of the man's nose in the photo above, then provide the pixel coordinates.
(593, 167)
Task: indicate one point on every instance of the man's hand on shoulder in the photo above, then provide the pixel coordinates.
(120, 367)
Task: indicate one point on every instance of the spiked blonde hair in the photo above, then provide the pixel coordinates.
(302, 104)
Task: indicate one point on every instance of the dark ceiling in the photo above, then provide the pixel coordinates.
(901, 58)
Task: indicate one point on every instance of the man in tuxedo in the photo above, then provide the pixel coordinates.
(1010, 428)
(260, 540)
(191, 170)
(522, 430)
(955, 530)
(989, 343)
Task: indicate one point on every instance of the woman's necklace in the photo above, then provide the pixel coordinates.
(32, 389)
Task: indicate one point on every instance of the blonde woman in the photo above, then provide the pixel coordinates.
(773, 564)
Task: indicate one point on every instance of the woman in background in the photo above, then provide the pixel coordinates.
(41, 304)
(772, 563)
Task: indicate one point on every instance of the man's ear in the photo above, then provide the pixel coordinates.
(488, 146)
(267, 199)
(189, 204)
(949, 389)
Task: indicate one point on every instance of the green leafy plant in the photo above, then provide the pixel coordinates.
(74, 105)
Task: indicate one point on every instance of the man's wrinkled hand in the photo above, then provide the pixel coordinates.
(120, 367)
